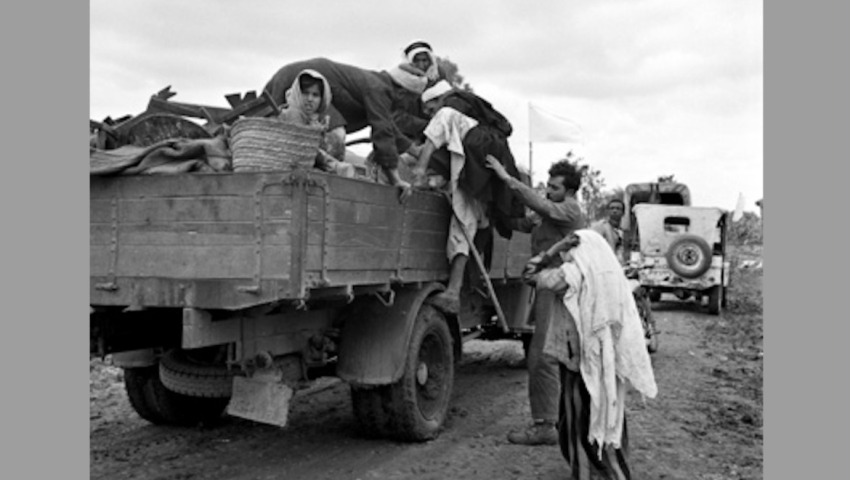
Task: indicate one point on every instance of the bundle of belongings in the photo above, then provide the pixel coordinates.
(600, 343)
(176, 155)
(297, 136)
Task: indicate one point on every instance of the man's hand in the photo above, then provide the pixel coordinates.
(406, 190)
(532, 268)
(494, 164)
(408, 159)
(414, 150)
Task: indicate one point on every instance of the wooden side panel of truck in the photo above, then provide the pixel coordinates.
(232, 241)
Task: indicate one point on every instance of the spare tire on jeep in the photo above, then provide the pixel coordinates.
(689, 256)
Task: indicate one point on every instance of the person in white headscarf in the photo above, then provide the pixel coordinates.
(468, 135)
(307, 103)
(419, 70)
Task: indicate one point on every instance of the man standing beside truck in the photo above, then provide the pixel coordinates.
(610, 229)
(552, 219)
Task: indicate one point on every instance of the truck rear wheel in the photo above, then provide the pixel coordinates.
(414, 408)
(158, 405)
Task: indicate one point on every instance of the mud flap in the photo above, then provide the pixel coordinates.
(264, 400)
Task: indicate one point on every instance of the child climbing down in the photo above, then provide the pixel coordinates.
(307, 103)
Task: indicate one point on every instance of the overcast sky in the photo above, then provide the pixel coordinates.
(659, 87)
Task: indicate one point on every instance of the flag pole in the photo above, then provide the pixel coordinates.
(530, 164)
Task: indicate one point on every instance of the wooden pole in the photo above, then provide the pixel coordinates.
(530, 164)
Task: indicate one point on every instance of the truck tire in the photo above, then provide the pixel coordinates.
(368, 405)
(715, 300)
(420, 399)
(413, 408)
(180, 374)
(689, 256)
(159, 405)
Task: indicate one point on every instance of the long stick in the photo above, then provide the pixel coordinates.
(499, 313)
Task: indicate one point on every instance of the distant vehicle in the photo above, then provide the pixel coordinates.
(676, 247)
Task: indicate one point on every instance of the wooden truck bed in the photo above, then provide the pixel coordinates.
(236, 240)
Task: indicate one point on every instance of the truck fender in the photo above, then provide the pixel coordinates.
(374, 337)
(145, 357)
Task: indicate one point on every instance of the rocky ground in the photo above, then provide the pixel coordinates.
(706, 422)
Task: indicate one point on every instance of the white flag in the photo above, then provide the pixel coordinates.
(739, 208)
(545, 127)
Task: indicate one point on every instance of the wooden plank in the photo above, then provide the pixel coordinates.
(424, 259)
(198, 262)
(100, 210)
(347, 235)
(187, 184)
(197, 234)
(352, 258)
(100, 259)
(371, 277)
(157, 104)
(100, 234)
(353, 190)
(208, 293)
(424, 240)
(364, 214)
(177, 209)
(428, 222)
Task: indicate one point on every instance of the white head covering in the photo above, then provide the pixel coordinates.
(440, 88)
(295, 100)
(422, 47)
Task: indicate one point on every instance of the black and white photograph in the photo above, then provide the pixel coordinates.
(426, 240)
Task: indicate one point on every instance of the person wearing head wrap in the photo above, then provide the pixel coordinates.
(474, 199)
(420, 55)
(308, 100)
(307, 103)
(360, 98)
(419, 69)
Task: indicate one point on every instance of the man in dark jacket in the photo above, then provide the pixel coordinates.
(362, 98)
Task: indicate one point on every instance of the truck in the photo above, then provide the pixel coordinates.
(234, 291)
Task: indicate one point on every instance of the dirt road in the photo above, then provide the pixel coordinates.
(706, 422)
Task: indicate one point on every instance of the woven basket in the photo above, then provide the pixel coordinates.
(262, 144)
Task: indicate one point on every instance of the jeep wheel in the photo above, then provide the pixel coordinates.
(689, 256)
(159, 405)
(715, 300)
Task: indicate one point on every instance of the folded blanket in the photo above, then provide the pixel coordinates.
(168, 156)
(613, 348)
